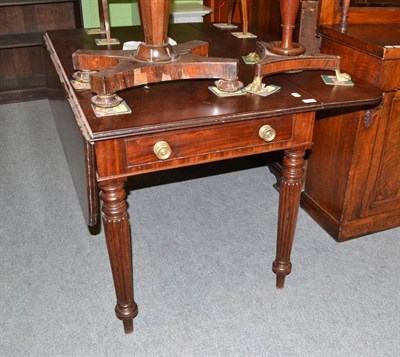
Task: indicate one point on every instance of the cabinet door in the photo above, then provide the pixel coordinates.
(383, 188)
(220, 11)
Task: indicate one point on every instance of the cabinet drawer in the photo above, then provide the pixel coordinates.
(212, 140)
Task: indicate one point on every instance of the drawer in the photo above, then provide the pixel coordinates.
(210, 141)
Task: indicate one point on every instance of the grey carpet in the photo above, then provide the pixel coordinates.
(203, 247)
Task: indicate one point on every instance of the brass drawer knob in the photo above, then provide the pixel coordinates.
(267, 133)
(162, 150)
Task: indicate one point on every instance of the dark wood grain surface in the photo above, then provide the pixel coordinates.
(352, 186)
(376, 40)
(190, 103)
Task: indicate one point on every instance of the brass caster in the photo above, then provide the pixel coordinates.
(83, 76)
(342, 77)
(256, 85)
(106, 101)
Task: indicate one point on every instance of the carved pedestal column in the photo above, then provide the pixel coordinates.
(286, 47)
(118, 237)
(289, 201)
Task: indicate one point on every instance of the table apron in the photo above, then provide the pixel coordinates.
(128, 156)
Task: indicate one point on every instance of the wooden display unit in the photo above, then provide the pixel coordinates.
(22, 25)
(352, 186)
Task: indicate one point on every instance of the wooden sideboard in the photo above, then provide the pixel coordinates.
(352, 186)
(22, 25)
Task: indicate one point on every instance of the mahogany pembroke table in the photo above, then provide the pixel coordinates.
(181, 123)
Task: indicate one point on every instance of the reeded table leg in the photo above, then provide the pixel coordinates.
(289, 201)
(118, 238)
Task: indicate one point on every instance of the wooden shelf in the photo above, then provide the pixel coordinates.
(25, 82)
(22, 25)
(31, 2)
(21, 40)
(26, 88)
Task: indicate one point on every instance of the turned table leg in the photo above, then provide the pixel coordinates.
(118, 238)
(289, 201)
(286, 47)
(245, 19)
(343, 15)
(105, 18)
(231, 4)
(243, 7)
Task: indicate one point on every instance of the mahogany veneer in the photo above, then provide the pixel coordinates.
(352, 186)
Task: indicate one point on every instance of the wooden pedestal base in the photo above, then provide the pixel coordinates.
(154, 61)
(272, 64)
(114, 70)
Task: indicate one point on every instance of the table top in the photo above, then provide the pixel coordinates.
(380, 40)
(189, 103)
